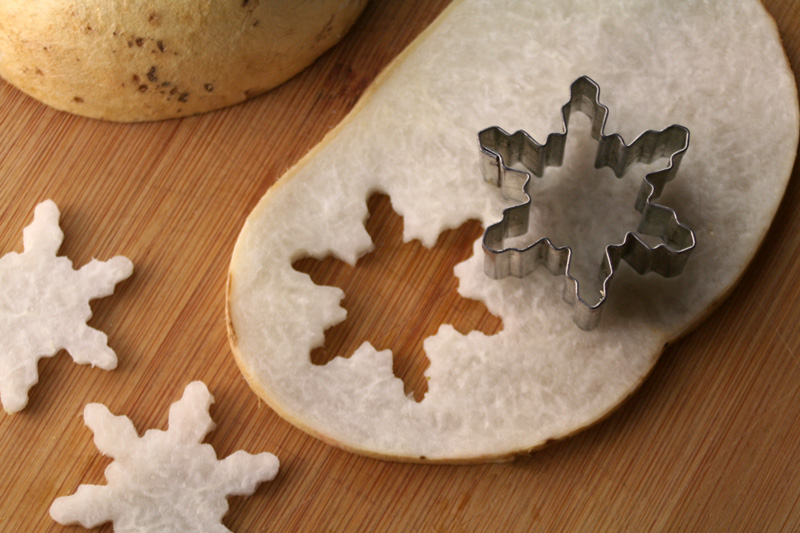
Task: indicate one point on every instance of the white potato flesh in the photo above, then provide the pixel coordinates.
(721, 72)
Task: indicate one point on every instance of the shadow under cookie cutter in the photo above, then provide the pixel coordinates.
(500, 151)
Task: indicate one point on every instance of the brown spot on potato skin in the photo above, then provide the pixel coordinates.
(135, 78)
(39, 72)
(208, 87)
(326, 31)
(151, 74)
(250, 93)
(78, 100)
(183, 97)
(139, 41)
(142, 88)
(160, 45)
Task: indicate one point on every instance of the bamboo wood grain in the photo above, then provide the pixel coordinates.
(710, 442)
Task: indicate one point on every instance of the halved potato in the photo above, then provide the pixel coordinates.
(721, 72)
(135, 61)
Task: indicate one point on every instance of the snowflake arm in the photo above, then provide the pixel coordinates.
(15, 383)
(112, 434)
(165, 480)
(90, 506)
(102, 276)
(44, 306)
(189, 421)
(241, 472)
(90, 346)
(43, 236)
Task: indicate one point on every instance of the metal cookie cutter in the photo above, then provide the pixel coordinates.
(500, 150)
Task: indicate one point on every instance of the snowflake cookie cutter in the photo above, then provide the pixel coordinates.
(500, 151)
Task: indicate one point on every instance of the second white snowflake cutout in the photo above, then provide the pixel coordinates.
(164, 481)
(44, 306)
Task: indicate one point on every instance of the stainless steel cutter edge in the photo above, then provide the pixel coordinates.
(499, 150)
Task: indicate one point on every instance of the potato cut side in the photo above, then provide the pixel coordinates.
(720, 72)
(138, 61)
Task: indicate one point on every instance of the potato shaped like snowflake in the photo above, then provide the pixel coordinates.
(164, 481)
(44, 306)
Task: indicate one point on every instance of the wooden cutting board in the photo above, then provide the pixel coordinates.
(710, 442)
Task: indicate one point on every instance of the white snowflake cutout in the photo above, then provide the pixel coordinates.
(165, 481)
(44, 306)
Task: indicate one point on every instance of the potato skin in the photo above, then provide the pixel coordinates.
(130, 61)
